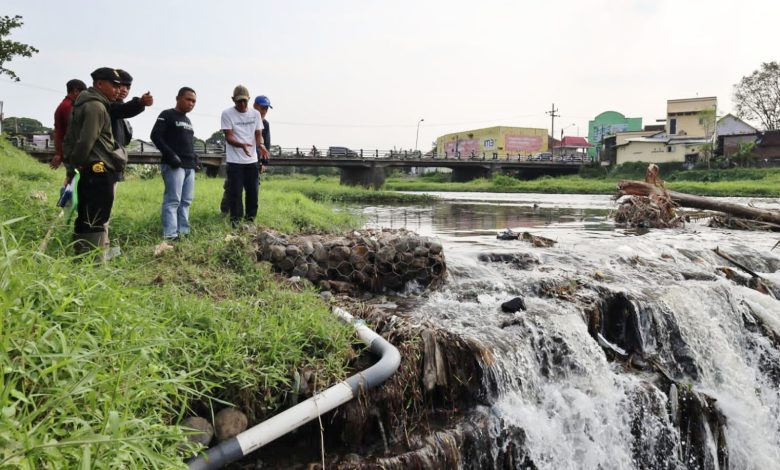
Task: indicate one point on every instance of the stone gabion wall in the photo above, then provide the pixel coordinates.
(369, 260)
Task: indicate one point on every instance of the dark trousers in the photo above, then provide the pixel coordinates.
(243, 177)
(96, 199)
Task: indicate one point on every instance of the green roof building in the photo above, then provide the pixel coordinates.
(608, 123)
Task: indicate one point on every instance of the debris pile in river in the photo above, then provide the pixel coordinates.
(369, 260)
(656, 209)
(653, 206)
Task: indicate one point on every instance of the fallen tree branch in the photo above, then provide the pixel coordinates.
(732, 261)
(638, 188)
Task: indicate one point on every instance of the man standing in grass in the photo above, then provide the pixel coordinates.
(61, 118)
(89, 146)
(262, 104)
(173, 135)
(243, 135)
(121, 110)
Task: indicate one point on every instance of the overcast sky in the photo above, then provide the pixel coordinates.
(362, 73)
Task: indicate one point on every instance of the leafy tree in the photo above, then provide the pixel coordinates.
(757, 96)
(707, 119)
(199, 144)
(744, 154)
(10, 49)
(217, 138)
(23, 125)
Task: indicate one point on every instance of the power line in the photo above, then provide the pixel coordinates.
(316, 124)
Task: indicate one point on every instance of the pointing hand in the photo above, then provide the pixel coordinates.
(147, 99)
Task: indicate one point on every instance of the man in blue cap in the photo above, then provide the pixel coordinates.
(262, 104)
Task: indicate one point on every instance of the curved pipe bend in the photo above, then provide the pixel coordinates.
(253, 438)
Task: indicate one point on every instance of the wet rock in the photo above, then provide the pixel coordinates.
(320, 253)
(537, 241)
(292, 251)
(229, 422)
(301, 270)
(326, 294)
(524, 261)
(698, 276)
(286, 265)
(514, 305)
(198, 430)
(277, 253)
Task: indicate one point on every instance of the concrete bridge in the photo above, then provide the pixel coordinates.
(368, 168)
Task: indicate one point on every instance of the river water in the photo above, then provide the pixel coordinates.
(578, 404)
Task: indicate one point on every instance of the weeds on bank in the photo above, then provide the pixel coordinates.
(101, 361)
(328, 189)
(745, 182)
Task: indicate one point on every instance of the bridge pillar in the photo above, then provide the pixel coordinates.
(462, 174)
(368, 177)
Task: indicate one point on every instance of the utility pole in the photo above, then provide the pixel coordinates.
(552, 114)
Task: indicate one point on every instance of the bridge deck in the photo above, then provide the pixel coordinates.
(396, 161)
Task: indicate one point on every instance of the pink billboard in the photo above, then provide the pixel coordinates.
(523, 143)
(465, 147)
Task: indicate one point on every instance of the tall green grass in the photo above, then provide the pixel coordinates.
(732, 182)
(327, 189)
(102, 361)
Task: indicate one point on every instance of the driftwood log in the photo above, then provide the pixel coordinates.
(638, 188)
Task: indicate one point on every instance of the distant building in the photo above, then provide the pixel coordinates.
(768, 148)
(609, 151)
(730, 132)
(690, 126)
(659, 148)
(684, 116)
(571, 146)
(499, 140)
(608, 123)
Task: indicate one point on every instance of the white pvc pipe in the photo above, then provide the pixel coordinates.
(295, 417)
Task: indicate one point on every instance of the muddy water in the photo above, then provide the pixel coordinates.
(578, 404)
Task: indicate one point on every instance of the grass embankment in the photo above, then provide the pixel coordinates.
(100, 361)
(745, 182)
(328, 189)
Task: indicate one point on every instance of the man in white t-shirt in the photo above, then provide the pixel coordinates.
(243, 128)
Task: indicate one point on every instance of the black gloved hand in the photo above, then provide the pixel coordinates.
(174, 161)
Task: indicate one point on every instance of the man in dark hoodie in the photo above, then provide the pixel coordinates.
(173, 135)
(90, 147)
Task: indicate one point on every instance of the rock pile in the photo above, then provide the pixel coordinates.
(370, 260)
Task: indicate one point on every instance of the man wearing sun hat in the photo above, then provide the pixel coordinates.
(243, 128)
(90, 147)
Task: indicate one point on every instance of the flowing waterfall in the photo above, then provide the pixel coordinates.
(635, 352)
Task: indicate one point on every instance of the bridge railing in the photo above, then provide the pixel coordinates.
(216, 150)
(299, 152)
(135, 146)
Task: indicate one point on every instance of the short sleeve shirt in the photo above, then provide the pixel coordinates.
(243, 126)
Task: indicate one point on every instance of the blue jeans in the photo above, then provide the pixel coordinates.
(179, 191)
